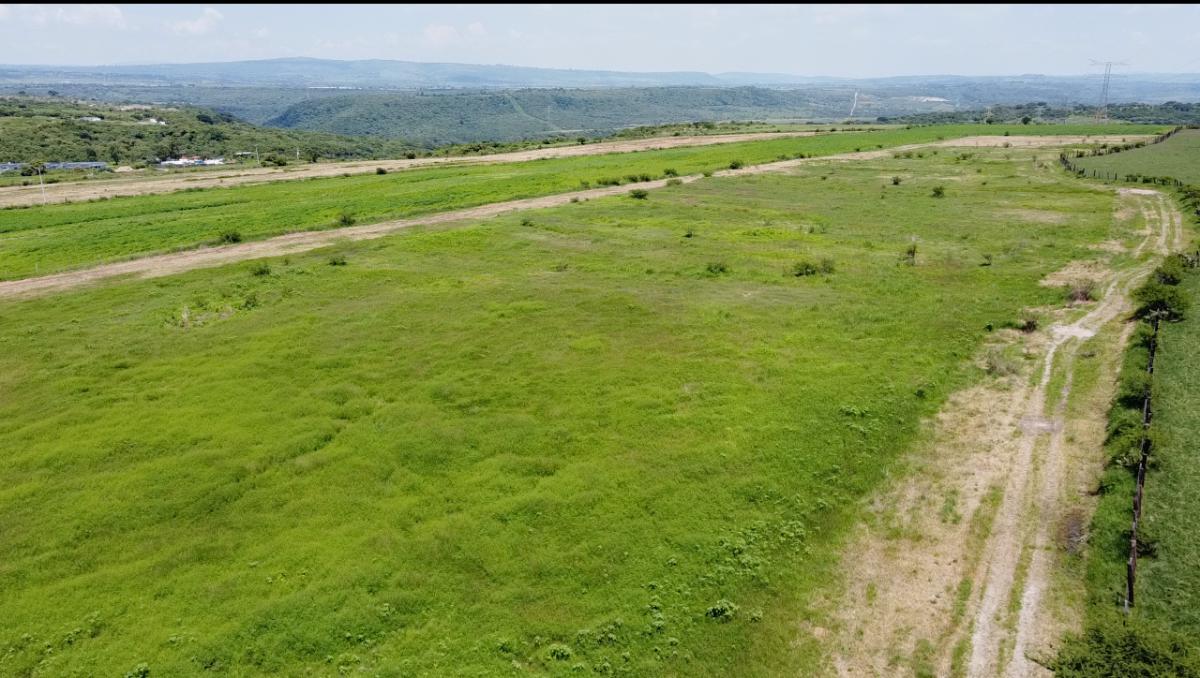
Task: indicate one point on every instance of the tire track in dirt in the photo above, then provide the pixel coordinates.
(969, 597)
(158, 265)
(12, 196)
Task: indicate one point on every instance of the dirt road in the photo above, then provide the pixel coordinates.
(176, 262)
(957, 575)
(87, 190)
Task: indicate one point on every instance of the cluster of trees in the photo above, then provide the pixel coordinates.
(1170, 113)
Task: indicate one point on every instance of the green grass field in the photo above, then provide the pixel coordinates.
(1170, 582)
(46, 239)
(1176, 157)
(623, 438)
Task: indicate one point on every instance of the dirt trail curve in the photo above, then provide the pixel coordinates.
(973, 596)
(75, 191)
(176, 262)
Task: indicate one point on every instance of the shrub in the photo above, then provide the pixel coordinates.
(1171, 270)
(1131, 647)
(670, 172)
(230, 237)
(1081, 290)
(722, 611)
(801, 269)
(410, 155)
(1154, 298)
(608, 181)
(987, 260)
(998, 364)
(689, 233)
(380, 170)
(708, 173)
(736, 164)
(345, 218)
(717, 267)
(261, 268)
(910, 255)
(674, 182)
(804, 267)
(1027, 323)
(560, 652)
(527, 221)
(895, 181)
(639, 194)
(337, 260)
(939, 192)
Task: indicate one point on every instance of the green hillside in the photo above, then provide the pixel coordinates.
(53, 129)
(435, 119)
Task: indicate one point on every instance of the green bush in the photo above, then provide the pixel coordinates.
(345, 218)
(939, 192)
(337, 260)
(1127, 648)
(639, 194)
(261, 268)
(736, 164)
(717, 268)
(1154, 298)
(380, 170)
(229, 237)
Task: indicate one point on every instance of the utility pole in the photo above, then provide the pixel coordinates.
(1102, 112)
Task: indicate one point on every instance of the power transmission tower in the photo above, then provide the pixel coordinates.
(1102, 112)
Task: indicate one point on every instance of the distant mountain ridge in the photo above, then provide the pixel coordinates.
(385, 74)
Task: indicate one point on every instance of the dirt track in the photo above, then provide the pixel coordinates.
(970, 588)
(87, 190)
(166, 264)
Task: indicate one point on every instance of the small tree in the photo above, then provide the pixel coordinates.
(1025, 120)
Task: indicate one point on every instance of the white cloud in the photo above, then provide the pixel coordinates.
(91, 15)
(205, 23)
(442, 35)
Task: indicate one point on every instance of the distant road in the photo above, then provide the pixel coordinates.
(75, 191)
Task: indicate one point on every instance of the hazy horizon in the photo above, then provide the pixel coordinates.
(840, 41)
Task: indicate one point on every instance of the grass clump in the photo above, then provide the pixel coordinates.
(229, 237)
(261, 268)
(639, 194)
(938, 192)
(345, 218)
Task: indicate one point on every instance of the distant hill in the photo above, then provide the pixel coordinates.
(51, 129)
(432, 104)
(389, 74)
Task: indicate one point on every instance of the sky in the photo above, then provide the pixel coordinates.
(833, 40)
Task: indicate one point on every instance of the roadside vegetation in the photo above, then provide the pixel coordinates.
(617, 437)
(1161, 634)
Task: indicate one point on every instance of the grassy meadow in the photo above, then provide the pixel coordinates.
(624, 437)
(1176, 157)
(46, 239)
